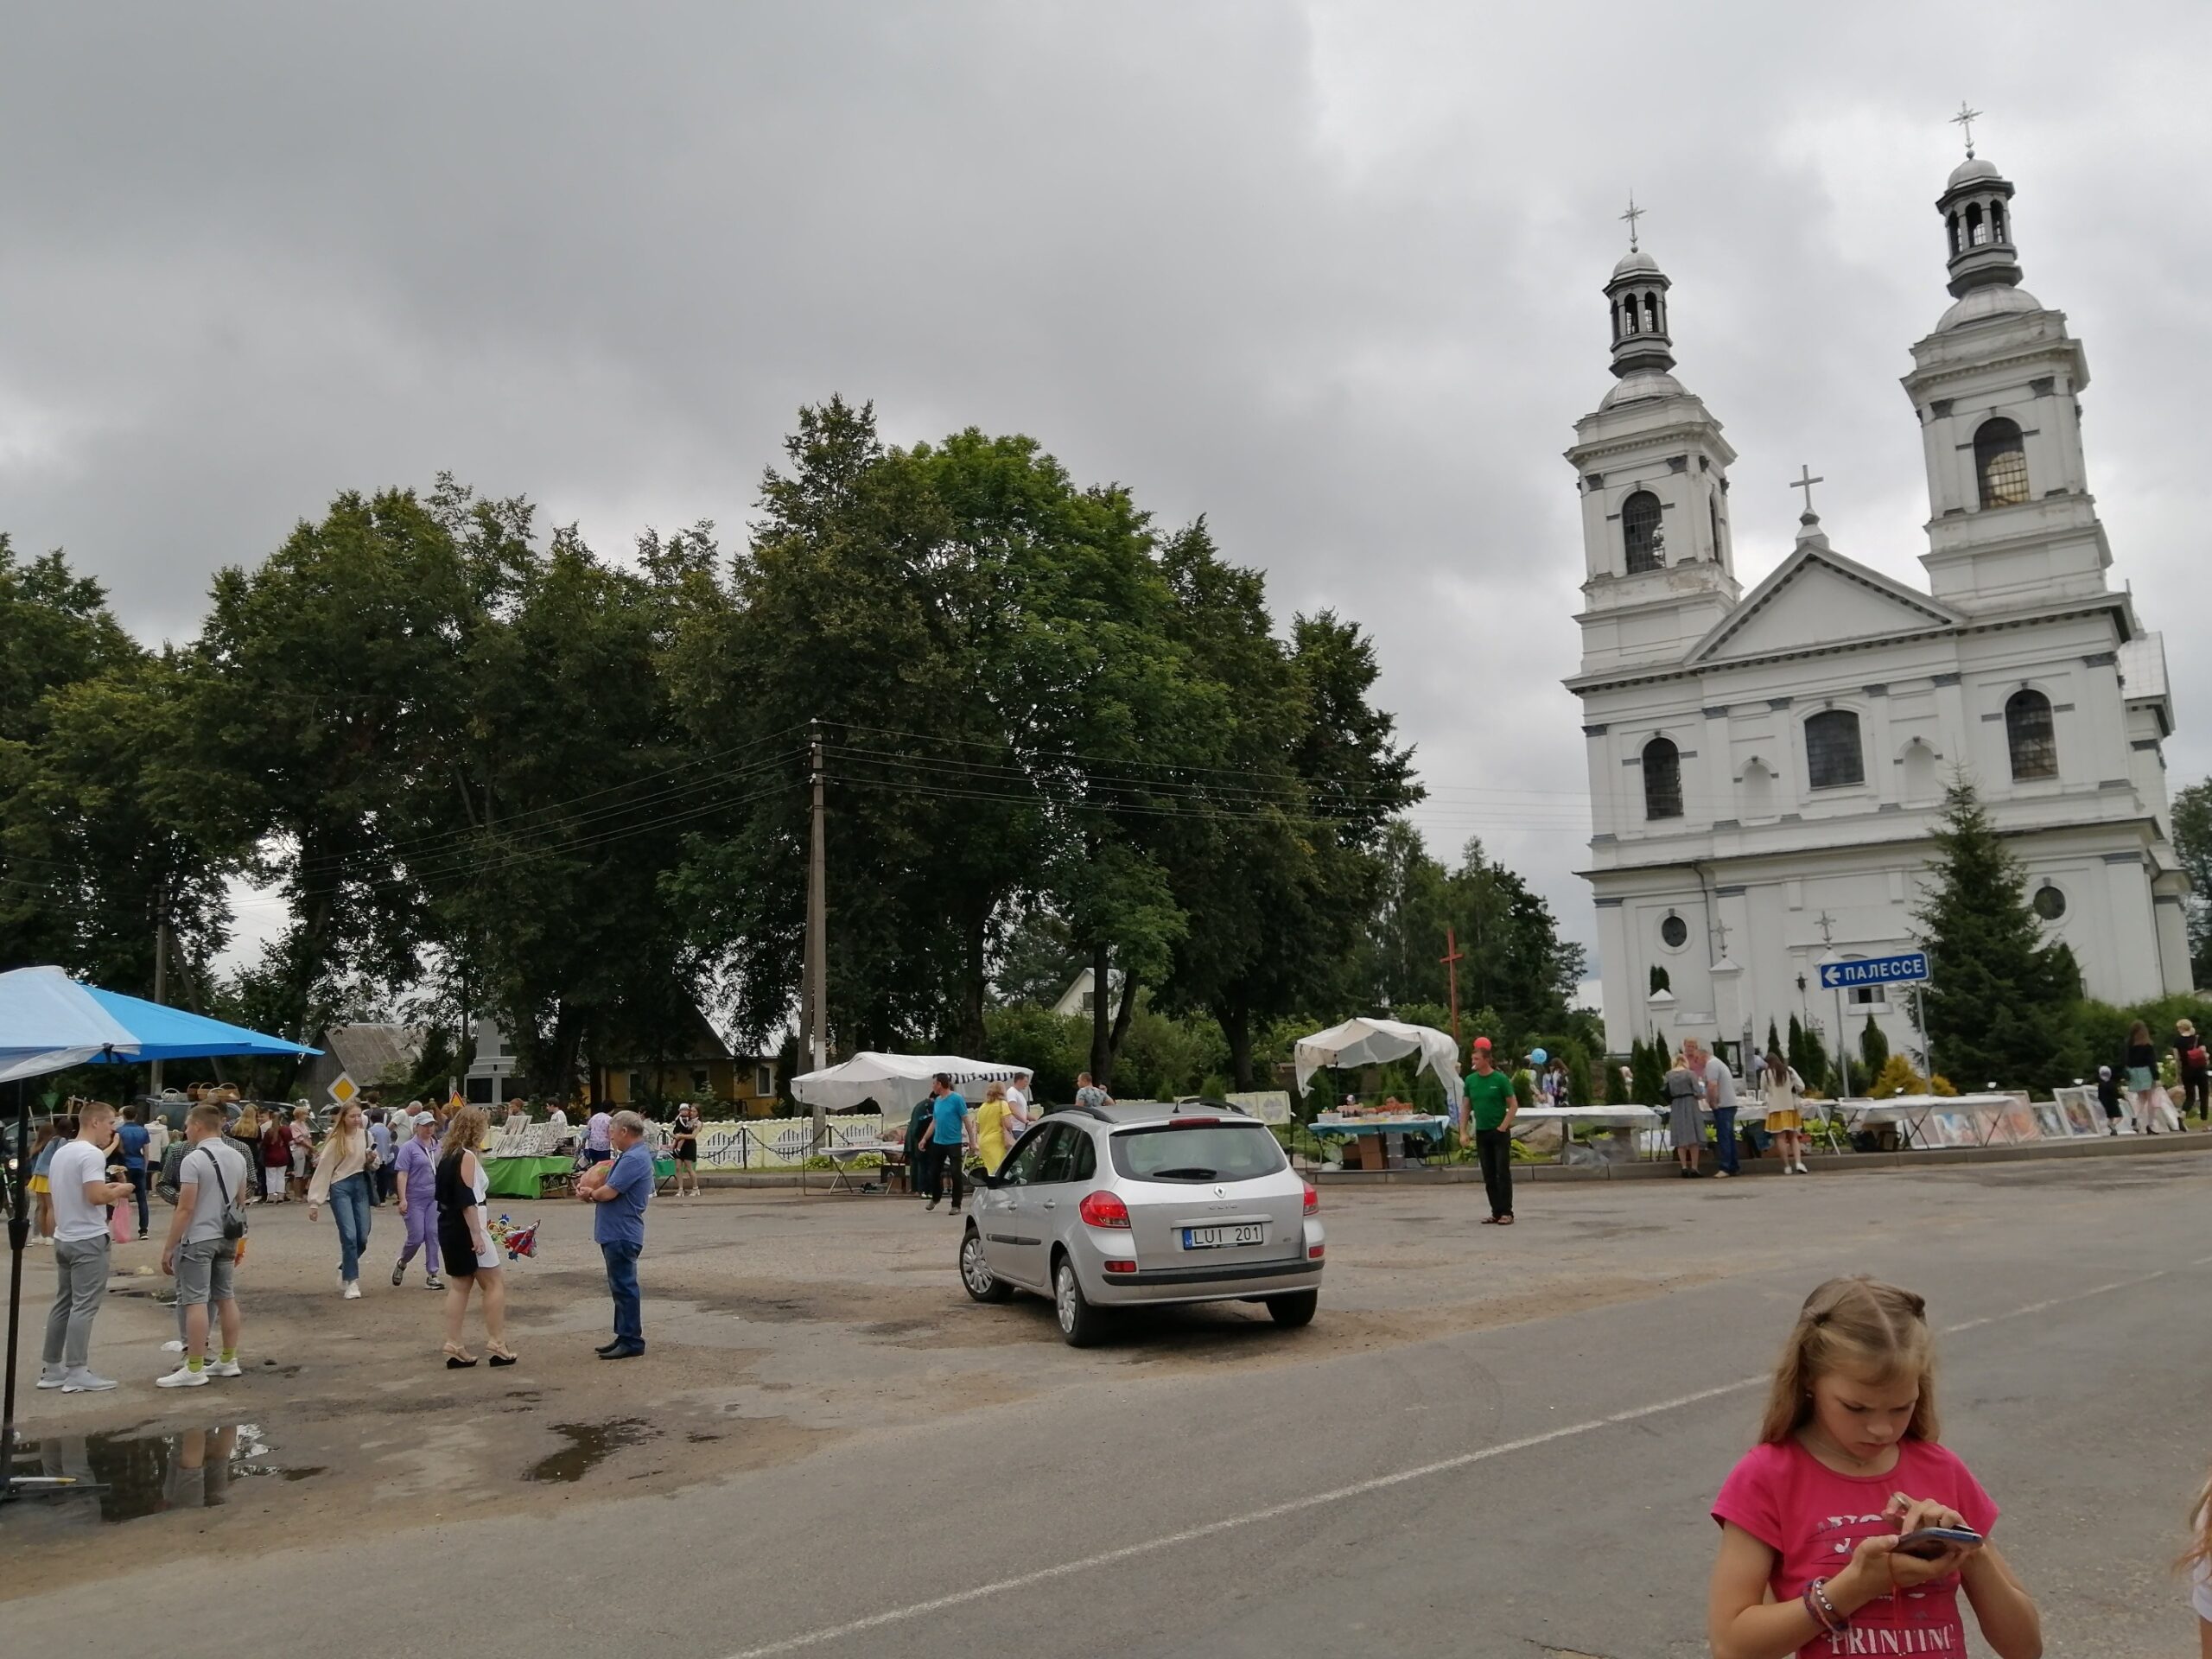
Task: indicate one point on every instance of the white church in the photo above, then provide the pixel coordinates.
(1766, 768)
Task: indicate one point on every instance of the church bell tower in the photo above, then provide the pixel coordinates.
(1997, 387)
(1652, 469)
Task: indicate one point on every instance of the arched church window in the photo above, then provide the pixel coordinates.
(1757, 802)
(1640, 531)
(1977, 231)
(1662, 780)
(1833, 759)
(2029, 735)
(2000, 462)
(1997, 221)
(1628, 315)
(1958, 244)
(1651, 314)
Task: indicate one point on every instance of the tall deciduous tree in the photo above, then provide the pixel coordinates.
(2000, 1003)
(2192, 835)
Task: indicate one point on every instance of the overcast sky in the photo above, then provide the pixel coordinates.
(1328, 274)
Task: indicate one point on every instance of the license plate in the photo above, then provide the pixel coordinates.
(1222, 1238)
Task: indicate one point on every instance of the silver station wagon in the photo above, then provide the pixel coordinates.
(1142, 1206)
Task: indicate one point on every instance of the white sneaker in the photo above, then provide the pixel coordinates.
(223, 1368)
(183, 1377)
(174, 1345)
(83, 1382)
(352, 1290)
(50, 1376)
(1722, 1175)
(1802, 1169)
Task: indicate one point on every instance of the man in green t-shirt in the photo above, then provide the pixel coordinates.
(1492, 1107)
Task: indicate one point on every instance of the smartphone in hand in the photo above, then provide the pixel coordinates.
(1928, 1542)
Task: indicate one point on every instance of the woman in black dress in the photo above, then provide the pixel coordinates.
(471, 1255)
(685, 1150)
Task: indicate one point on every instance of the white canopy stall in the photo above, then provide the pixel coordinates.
(1371, 1042)
(897, 1083)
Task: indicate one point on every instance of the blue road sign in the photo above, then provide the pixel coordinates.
(1907, 968)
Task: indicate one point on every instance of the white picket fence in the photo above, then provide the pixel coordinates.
(751, 1143)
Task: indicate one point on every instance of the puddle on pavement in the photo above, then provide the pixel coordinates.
(589, 1445)
(141, 1475)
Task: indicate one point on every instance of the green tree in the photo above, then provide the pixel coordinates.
(1648, 1064)
(2192, 837)
(1807, 1055)
(1873, 1049)
(2000, 1002)
(1773, 1038)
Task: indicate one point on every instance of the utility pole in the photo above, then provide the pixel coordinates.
(1826, 923)
(160, 978)
(814, 999)
(1452, 956)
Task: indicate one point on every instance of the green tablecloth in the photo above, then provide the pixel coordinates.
(517, 1178)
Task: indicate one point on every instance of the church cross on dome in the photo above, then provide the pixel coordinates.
(1634, 213)
(1964, 121)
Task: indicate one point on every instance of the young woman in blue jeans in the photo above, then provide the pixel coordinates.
(341, 1176)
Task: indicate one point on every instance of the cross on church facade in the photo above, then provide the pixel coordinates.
(1964, 120)
(1826, 923)
(1805, 480)
(1634, 213)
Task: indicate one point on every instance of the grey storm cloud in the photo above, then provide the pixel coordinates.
(1328, 274)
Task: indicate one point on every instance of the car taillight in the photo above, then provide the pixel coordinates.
(1313, 1252)
(1313, 1200)
(1121, 1267)
(1103, 1210)
(1196, 1123)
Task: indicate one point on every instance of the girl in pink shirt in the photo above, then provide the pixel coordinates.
(1847, 1462)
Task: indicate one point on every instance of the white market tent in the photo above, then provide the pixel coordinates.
(897, 1083)
(1371, 1042)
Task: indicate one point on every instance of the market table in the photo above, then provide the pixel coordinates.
(1357, 1132)
(842, 1158)
(1596, 1118)
(525, 1178)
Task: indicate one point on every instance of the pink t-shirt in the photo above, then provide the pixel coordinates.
(1813, 1518)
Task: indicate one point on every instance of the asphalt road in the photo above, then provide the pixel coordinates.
(1489, 1443)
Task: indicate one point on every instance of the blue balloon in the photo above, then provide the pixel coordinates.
(1537, 1056)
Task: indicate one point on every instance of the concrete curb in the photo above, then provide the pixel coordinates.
(1821, 1163)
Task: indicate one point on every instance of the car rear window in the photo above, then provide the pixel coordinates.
(1197, 1152)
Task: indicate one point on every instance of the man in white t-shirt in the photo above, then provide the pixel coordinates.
(1017, 1107)
(80, 1194)
(211, 1180)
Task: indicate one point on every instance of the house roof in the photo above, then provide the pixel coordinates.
(371, 1052)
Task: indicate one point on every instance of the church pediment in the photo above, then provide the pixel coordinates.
(1817, 597)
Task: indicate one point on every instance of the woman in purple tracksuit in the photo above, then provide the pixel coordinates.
(418, 1200)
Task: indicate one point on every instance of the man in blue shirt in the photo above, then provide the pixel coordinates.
(621, 1189)
(950, 1140)
(133, 1136)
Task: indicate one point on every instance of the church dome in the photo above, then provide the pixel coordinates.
(1640, 384)
(1992, 301)
(1636, 262)
(1974, 167)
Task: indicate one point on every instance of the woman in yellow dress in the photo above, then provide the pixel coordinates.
(991, 1127)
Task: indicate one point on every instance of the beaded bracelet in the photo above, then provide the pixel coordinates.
(1822, 1610)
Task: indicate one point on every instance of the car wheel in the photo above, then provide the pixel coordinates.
(1290, 1312)
(1079, 1321)
(976, 1273)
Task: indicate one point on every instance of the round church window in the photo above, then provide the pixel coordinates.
(2048, 902)
(1674, 932)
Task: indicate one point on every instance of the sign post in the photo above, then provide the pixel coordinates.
(1903, 968)
(342, 1090)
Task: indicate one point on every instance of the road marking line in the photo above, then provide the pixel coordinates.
(1361, 1488)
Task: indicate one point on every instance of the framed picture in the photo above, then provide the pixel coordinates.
(2017, 1121)
(2082, 1114)
(1959, 1128)
(2050, 1119)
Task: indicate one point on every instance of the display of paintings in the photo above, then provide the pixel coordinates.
(2050, 1119)
(2017, 1121)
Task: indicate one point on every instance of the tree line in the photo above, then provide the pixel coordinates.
(487, 770)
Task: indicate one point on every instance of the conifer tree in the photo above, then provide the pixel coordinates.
(1873, 1049)
(2000, 1002)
